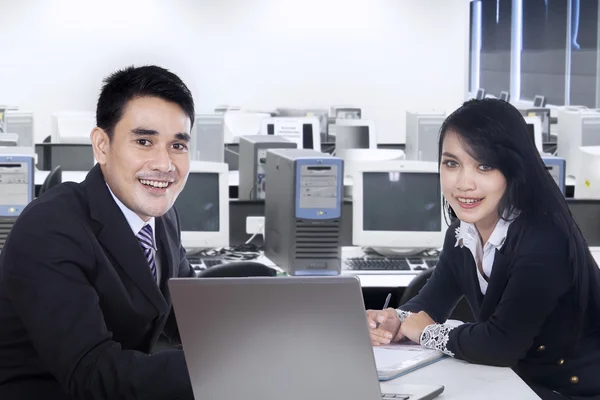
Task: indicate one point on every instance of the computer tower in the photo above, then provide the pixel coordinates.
(422, 133)
(303, 210)
(208, 138)
(252, 162)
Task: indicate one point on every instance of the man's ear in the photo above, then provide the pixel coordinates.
(100, 144)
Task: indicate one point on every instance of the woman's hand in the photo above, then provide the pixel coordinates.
(413, 326)
(384, 326)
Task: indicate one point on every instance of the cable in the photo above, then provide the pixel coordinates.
(260, 230)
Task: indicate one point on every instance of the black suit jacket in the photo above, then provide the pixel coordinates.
(79, 308)
(526, 318)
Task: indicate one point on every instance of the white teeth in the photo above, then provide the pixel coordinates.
(155, 184)
(468, 201)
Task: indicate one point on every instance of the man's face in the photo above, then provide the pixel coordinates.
(146, 164)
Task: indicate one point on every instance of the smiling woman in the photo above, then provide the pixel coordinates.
(515, 253)
(471, 188)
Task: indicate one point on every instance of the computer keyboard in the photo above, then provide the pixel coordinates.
(399, 264)
(389, 264)
(199, 263)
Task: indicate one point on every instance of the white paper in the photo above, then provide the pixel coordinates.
(290, 129)
(395, 359)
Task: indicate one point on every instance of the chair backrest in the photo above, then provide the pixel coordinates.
(54, 178)
(241, 269)
(416, 285)
(461, 312)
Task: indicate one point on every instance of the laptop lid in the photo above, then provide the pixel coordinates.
(292, 338)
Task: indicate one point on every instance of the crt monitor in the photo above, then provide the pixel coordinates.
(397, 207)
(304, 131)
(354, 134)
(534, 129)
(16, 183)
(505, 96)
(73, 127)
(576, 129)
(203, 207)
(20, 123)
(539, 101)
(480, 94)
(208, 138)
(587, 179)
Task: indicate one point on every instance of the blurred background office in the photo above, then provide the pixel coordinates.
(384, 55)
(368, 81)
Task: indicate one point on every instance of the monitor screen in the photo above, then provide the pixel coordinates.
(198, 203)
(70, 157)
(396, 201)
(538, 101)
(352, 137)
(16, 184)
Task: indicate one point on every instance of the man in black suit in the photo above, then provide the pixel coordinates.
(83, 274)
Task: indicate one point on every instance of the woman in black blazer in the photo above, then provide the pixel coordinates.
(515, 253)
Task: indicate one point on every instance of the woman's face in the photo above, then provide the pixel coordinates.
(472, 189)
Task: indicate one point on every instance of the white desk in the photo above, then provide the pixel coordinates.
(466, 381)
(367, 279)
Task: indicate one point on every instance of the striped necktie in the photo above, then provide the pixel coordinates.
(146, 241)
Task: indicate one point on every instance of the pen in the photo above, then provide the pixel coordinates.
(385, 305)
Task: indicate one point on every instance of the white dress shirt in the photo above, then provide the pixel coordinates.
(467, 235)
(136, 224)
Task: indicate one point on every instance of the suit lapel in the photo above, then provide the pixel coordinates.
(117, 238)
(496, 285)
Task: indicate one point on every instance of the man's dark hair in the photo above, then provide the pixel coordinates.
(132, 82)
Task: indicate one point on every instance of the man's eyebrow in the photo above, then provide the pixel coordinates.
(183, 136)
(144, 132)
(151, 132)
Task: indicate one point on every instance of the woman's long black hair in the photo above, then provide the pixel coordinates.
(496, 134)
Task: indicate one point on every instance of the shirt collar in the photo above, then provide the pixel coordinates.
(466, 233)
(134, 221)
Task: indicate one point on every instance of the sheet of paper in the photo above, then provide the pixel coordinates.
(290, 129)
(397, 358)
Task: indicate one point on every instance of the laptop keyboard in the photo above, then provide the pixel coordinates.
(395, 396)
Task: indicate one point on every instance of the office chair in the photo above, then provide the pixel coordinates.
(242, 269)
(54, 178)
(461, 312)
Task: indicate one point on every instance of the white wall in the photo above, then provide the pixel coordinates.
(384, 56)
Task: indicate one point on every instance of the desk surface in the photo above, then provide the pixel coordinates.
(367, 279)
(466, 381)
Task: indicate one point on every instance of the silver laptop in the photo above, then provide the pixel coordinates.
(289, 338)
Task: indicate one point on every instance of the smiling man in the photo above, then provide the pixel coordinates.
(83, 293)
